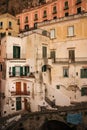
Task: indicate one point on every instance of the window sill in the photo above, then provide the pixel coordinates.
(70, 36)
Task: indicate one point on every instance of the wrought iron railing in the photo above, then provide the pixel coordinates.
(20, 93)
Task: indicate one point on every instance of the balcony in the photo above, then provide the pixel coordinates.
(14, 93)
(10, 56)
(78, 60)
(22, 75)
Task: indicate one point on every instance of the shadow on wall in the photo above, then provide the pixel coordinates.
(55, 125)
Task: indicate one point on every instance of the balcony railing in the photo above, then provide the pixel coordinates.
(22, 75)
(67, 60)
(10, 56)
(13, 93)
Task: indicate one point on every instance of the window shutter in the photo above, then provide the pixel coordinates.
(21, 71)
(82, 73)
(13, 71)
(14, 51)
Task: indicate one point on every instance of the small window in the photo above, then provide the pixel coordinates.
(1, 25)
(54, 10)
(83, 91)
(35, 25)
(52, 33)
(18, 21)
(71, 31)
(16, 52)
(0, 67)
(36, 17)
(26, 27)
(53, 55)
(72, 56)
(44, 52)
(10, 25)
(79, 10)
(66, 5)
(65, 72)
(66, 14)
(78, 1)
(44, 68)
(57, 86)
(83, 73)
(26, 19)
(44, 14)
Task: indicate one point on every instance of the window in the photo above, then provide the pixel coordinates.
(52, 33)
(57, 86)
(16, 71)
(65, 72)
(66, 5)
(36, 17)
(44, 68)
(66, 14)
(44, 14)
(26, 19)
(78, 1)
(26, 27)
(55, 17)
(79, 10)
(54, 10)
(20, 71)
(72, 56)
(44, 52)
(26, 70)
(18, 103)
(44, 32)
(84, 91)
(18, 21)
(1, 25)
(16, 52)
(71, 31)
(35, 25)
(83, 73)
(53, 55)
(0, 67)
(10, 25)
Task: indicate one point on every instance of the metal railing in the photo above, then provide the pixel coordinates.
(10, 56)
(20, 93)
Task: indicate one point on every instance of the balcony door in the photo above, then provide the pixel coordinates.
(18, 88)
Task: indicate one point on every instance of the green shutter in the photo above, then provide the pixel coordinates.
(16, 52)
(18, 103)
(82, 91)
(82, 73)
(86, 73)
(13, 71)
(21, 71)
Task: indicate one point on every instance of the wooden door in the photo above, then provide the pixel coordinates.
(18, 87)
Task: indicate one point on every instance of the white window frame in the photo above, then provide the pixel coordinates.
(70, 31)
(52, 33)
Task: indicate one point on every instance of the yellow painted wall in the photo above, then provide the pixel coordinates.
(6, 18)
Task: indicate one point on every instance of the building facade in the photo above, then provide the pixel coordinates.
(48, 62)
(55, 9)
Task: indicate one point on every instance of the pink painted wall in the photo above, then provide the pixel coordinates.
(49, 8)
